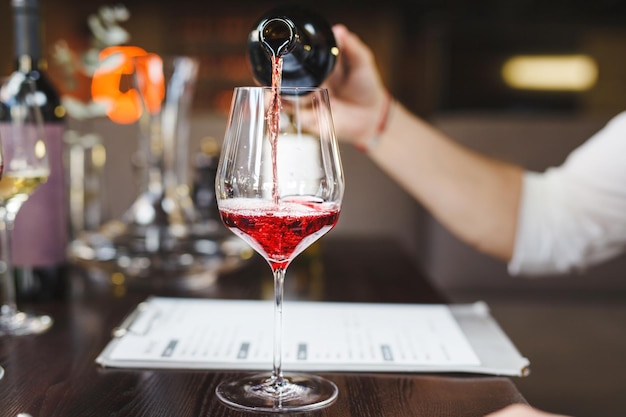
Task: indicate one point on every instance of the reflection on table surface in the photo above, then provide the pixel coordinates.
(54, 374)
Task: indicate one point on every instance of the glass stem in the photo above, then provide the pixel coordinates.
(7, 283)
(277, 371)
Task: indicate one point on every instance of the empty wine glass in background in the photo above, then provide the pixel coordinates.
(279, 187)
(25, 167)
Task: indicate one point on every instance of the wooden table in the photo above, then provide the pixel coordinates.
(54, 374)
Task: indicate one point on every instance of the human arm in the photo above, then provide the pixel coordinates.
(572, 215)
(474, 196)
(522, 410)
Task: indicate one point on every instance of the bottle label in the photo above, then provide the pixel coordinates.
(40, 235)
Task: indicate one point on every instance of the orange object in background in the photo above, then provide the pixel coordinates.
(114, 85)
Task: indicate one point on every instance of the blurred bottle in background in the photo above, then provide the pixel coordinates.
(203, 194)
(41, 228)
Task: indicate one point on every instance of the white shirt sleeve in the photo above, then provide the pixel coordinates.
(574, 215)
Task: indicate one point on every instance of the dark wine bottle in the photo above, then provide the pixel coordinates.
(205, 172)
(303, 39)
(41, 226)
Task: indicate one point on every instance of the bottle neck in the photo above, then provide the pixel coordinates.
(26, 34)
(278, 36)
(304, 41)
(29, 58)
(25, 63)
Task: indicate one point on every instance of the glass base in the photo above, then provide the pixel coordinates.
(1, 372)
(21, 323)
(263, 393)
(191, 263)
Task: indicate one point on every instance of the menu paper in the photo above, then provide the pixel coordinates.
(191, 333)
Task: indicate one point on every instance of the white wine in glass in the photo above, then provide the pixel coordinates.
(279, 187)
(25, 168)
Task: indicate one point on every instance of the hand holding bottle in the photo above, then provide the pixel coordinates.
(522, 410)
(358, 96)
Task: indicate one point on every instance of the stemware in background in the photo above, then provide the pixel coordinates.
(1, 169)
(25, 167)
(279, 187)
(157, 226)
(158, 242)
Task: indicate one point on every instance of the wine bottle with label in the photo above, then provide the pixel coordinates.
(41, 230)
(302, 37)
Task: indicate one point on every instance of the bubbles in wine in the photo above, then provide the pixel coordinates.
(292, 206)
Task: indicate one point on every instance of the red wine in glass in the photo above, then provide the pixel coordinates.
(279, 186)
(297, 224)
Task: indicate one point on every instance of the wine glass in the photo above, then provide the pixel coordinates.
(279, 187)
(25, 167)
(1, 169)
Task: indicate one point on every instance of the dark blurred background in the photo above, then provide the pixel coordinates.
(435, 55)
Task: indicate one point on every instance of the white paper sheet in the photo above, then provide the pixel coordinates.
(318, 336)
